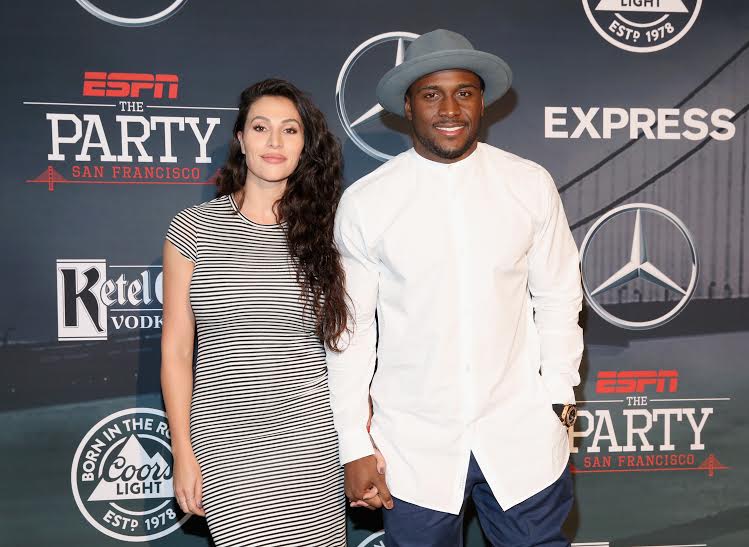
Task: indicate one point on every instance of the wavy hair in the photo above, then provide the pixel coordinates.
(307, 206)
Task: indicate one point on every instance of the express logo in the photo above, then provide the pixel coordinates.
(694, 124)
(642, 26)
(88, 301)
(354, 127)
(127, 84)
(122, 19)
(121, 476)
(640, 267)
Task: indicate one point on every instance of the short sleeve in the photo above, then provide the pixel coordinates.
(182, 234)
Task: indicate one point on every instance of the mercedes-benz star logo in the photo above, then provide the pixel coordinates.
(123, 21)
(340, 89)
(639, 266)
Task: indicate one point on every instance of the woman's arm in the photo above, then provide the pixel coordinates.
(177, 341)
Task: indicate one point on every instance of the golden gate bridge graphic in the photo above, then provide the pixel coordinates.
(704, 183)
(52, 176)
(711, 464)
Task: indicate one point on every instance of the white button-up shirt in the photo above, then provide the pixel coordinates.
(456, 259)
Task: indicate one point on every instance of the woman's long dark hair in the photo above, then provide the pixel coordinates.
(307, 206)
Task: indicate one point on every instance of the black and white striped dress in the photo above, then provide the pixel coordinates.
(261, 424)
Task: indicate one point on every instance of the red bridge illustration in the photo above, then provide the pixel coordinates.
(711, 465)
(52, 176)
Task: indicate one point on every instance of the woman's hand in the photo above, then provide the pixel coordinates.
(188, 484)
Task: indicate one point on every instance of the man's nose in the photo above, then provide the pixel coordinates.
(449, 107)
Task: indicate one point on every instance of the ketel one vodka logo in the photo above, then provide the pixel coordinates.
(90, 298)
(121, 476)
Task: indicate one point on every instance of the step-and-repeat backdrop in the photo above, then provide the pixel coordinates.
(117, 114)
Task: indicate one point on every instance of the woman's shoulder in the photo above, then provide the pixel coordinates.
(206, 211)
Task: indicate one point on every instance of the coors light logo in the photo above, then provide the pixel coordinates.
(642, 26)
(121, 476)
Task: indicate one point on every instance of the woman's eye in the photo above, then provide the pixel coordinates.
(291, 130)
(258, 128)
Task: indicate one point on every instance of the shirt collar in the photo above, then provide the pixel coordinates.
(468, 161)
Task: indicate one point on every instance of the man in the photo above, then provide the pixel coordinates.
(464, 252)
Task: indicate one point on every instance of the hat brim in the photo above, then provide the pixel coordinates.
(495, 73)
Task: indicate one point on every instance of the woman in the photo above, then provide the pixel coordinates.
(257, 272)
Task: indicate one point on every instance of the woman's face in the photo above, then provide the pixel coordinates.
(272, 139)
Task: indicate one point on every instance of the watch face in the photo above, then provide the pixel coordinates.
(571, 416)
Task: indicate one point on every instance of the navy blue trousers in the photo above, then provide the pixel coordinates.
(534, 522)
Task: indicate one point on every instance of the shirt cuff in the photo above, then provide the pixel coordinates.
(354, 444)
(559, 388)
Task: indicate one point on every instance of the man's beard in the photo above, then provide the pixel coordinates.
(435, 149)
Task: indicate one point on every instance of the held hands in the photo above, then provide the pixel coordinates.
(373, 493)
(188, 484)
(364, 484)
(380, 460)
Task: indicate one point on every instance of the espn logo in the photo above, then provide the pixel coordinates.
(637, 381)
(129, 84)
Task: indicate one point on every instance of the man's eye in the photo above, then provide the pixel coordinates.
(464, 93)
(430, 95)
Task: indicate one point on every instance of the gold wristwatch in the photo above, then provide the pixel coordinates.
(567, 414)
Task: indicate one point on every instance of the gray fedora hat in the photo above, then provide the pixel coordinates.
(441, 50)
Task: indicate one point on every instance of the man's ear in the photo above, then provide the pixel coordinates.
(482, 102)
(407, 107)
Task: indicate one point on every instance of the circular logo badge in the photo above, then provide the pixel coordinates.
(375, 540)
(619, 272)
(170, 7)
(642, 26)
(122, 476)
(373, 110)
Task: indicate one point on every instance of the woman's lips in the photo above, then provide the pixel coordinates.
(273, 158)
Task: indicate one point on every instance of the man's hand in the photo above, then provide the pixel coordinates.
(373, 492)
(363, 483)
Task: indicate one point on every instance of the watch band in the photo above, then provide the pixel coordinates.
(567, 414)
